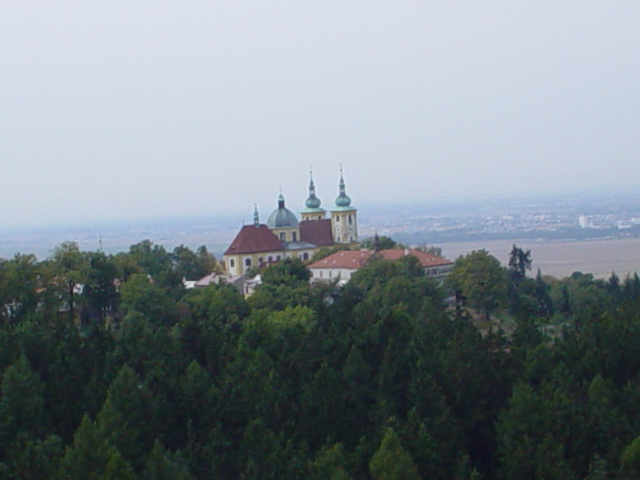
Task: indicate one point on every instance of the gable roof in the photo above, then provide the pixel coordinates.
(347, 259)
(425, 259)
(317, 232)
(354, 259)
(254, 239)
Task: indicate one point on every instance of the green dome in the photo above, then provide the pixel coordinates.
(313, 202)
(282, 217)
(343, 200)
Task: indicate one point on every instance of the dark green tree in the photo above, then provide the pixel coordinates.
(481, 280)
(91, 457)
(391, 461)
(70, 262)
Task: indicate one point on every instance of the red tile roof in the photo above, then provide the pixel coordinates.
(254, 239)
(426, 259)
(317, 232)
(352, 259)
(349, 259)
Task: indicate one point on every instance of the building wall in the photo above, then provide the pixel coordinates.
(329, 274)
(239, 264)
(313, 215)
(290, 234)
(344, 225)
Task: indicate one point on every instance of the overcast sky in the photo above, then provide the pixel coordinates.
(121, 109)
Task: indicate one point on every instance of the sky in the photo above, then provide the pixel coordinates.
(130, 110)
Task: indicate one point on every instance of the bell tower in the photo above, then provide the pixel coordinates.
(344, 219)
(313, 211)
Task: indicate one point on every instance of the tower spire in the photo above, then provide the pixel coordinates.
(256, 215)
(343, 199)
(312, 202)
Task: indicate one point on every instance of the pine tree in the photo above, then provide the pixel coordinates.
(91, 457)
(125, 419)
(392, 461)
(161, 465)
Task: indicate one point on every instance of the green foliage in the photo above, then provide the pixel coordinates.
(125, 420)
(480, 279)
(383, 243)
(161, 465)
(391, 461)
(329, 464)
(22, 406)
(91, 457)
(19, 287)
(302, 381)
(193, 265)
(143, 296)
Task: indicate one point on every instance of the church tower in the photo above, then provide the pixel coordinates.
(344, 221)
(313, 210)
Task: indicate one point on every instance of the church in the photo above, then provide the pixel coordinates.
(283, 236)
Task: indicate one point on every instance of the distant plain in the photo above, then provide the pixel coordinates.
(562, 258)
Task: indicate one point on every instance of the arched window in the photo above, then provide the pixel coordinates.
(350, 220)
(232, 263)
(283, 236)
(294, 236)
(247, 262)
(305, 256)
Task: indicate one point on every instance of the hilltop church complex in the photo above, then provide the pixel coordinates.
(283, 236)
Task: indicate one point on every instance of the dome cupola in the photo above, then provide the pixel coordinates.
(312, 202)
(282, 217)
(343, 200)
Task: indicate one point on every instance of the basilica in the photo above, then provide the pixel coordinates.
(283, 236)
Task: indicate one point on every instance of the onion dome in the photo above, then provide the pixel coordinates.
(343, 200)
(313, 202)
(282, 217)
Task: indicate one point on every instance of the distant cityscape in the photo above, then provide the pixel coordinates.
(561, 218)
(569, 217)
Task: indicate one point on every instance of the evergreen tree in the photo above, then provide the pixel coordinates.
(391, 461)
(91, 457)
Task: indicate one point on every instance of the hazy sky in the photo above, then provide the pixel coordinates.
(126, 109)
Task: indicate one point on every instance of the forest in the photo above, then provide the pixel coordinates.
(111, 369)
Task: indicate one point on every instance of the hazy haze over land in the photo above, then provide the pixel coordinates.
(132, 110)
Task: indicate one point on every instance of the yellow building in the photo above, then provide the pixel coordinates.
(283, 236)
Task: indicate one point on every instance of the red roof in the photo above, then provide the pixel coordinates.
(254, 239)
(349, 259)
(354, 259)
(426, 259)
(317, 232)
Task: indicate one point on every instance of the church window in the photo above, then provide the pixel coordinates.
(278, 258)
(247, 262)
(338, 218)
(232, 263)
(260, 260)
(270, 259)
(305, 256)
(350, 220)
(294, 237)
(283, 236)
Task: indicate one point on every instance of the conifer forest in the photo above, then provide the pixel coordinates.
(111, 369)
